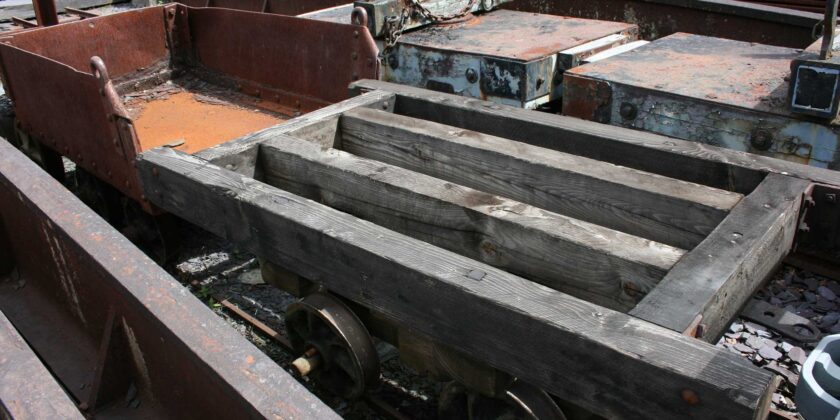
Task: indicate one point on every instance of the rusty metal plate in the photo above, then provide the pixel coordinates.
(126, 41)
(720, 92)
(300, 56)
(122, 336)
(27, 389)
(62, 109)
(280, 7)
(741, 74)
(513, 35)
(721, 18)
(503, 56)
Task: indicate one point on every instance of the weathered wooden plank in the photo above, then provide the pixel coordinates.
(27, 390)
(694, 162)
(714, 279)
(320, 126)
(610, 363)
(655, 207)
(601, 265)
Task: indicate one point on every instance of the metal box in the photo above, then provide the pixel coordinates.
(709, 90)
(504, 56)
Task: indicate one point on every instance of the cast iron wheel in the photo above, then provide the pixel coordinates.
(520, 401)
(323, 328)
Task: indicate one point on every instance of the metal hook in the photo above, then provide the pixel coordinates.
(359, 16)
(100, 72)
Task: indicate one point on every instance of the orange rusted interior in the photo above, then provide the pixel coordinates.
(180, 117)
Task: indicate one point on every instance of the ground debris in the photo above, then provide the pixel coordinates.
(803, 293)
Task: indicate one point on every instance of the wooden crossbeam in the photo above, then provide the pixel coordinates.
(601, 265)
(689, 161)
(710, 284)
(655, 207)
(320, 126)
(610, 363)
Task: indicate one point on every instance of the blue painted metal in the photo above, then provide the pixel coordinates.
(709, 90)
(508, 57)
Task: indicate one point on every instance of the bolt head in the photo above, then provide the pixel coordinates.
(690, 397)
(761, 139)
(472, 75)
(628, 111)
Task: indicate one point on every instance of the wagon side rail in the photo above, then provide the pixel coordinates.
(67, 94)
(120, 334)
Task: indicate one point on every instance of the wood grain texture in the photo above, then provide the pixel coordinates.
(601, 265)
(714, 279)
(240, 155)
(613, 364)
(694, 162)
(655, 207)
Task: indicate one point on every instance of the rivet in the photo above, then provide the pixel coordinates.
(761, 139)
(628, 111)
(630, 288)
(690, 397)
(472, 75)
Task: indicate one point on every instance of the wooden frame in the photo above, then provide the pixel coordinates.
(446, 208)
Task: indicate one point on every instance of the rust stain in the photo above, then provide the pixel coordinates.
(199, 124)
(732, 72)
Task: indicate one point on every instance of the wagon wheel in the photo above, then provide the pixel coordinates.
(337, 350)
(520, 401)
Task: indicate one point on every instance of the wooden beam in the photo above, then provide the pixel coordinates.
(240, 155)
(610, 363)
(711, 282)
(690, 161)
(601, 265)
(655, 207)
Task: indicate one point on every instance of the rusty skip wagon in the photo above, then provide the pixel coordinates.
(545, 264)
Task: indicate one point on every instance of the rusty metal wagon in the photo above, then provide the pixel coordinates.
(92, 327)
(172, 75)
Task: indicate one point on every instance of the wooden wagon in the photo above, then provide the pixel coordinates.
(593, 262)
